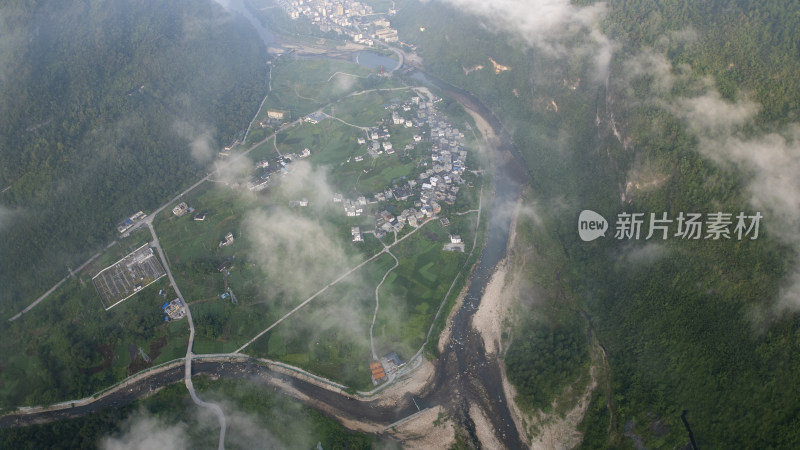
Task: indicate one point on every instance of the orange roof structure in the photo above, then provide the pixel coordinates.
(377, 370)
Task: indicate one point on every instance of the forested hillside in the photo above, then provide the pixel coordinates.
(108, 108)
(697, 114)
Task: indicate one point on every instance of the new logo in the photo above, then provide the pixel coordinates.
(591, 225)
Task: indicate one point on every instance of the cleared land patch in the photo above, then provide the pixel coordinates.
(126, 277)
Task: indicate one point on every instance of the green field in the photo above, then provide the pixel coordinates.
(264, 151)
(330, 141)
(304, 85)
(367, 109)
(265, 288)
(385, 171)
(330, 336)
(413, 292)
(68, 347)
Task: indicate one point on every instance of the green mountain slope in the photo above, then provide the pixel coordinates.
(101, 101)
(687, 325)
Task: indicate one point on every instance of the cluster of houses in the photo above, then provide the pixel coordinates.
(379, 142)
(265, 170)
(385, 368)
(352, 208)
(448, 155)
(356, 233)
(315, 117)
(182, 208)
(348, 17)
(438, 184)
(130, 222)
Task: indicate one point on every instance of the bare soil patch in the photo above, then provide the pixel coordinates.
(431, 428)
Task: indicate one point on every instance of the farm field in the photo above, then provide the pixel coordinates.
(127, 276)
(69, 347)
(302, 86)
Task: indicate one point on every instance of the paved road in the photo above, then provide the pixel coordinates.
(57, 285)
(378, 304)
(332, 283)
(187, 376)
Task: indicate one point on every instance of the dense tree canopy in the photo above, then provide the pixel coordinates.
(683, 323)
(100, 103)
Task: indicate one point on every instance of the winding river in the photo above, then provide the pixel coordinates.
(477, 377)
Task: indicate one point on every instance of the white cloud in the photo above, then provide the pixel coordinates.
(237, 169)
(549, 25)
(769, 161)
(307, 181)
(655, 64)
(145, 433)
(300, 254)
(200, 140)
(646, 254)
(7, 216)
(202, 148)
(710, 115)
(243, 430)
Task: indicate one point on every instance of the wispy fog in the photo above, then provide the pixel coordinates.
(12, 39)
(549, 25)
(645, 255)
(770, 161)
(298, 252)
(235, 170)
(144, 432)
(307, 181)
(201, 142)
(7, 216)
(244, 430)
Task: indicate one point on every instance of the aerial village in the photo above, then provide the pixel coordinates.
(438, 184)
(350, 18)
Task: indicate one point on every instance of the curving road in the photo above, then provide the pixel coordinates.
(378, 304)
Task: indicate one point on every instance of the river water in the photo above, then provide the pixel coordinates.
(238, 7)
(464, 363)
(374, 61)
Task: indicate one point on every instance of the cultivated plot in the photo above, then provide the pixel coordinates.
(127, 276)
